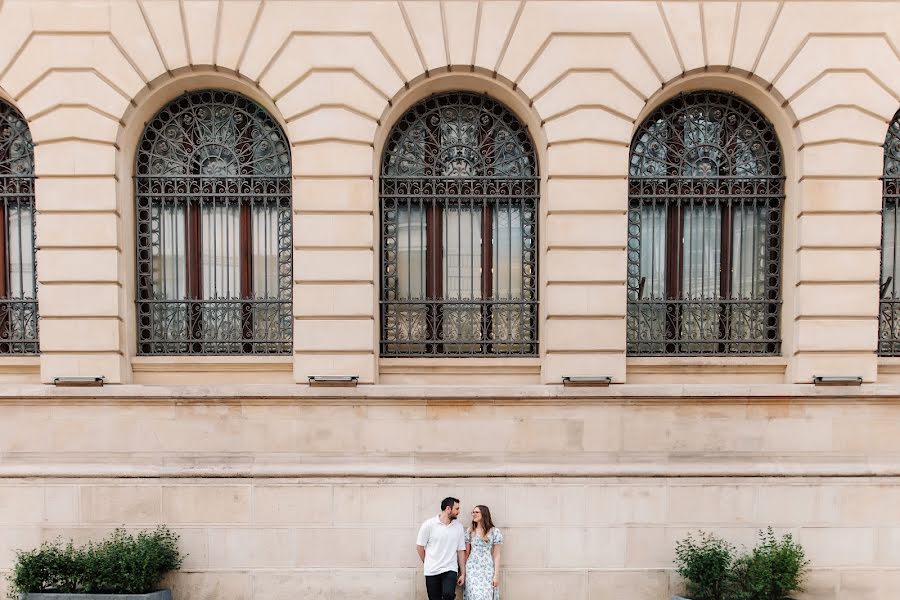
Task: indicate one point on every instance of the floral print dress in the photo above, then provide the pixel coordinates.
(480, 566)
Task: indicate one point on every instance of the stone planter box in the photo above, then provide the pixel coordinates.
(160, 595)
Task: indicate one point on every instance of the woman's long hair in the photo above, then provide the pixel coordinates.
(486, 523)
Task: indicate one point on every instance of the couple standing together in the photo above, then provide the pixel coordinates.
(456, 556)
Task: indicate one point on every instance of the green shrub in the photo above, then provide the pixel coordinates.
(705, 563)
(771, 571)
(120, 564)
(712, 570)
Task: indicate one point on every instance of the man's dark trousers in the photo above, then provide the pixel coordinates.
(441, 587)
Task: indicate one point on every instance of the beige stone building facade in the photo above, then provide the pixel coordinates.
(584, 151)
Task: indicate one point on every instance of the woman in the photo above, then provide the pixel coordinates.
(483, 542)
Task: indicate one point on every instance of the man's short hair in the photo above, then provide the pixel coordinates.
(448, 503)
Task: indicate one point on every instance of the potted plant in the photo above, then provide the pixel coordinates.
(705, 564)
(121, 567)
(772, 570)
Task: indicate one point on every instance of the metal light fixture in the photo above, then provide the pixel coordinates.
(79, 381)
(837, 380)
(586, 381)
(333, 380)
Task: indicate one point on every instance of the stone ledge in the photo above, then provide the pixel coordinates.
(212, 364)
(427, 366)
(716, 363)
(20, 365)
(687, 370)
(403, 468)
(160, 595)
(519, 394)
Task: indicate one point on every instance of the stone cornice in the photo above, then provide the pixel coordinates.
(462, 467)
(412, 394)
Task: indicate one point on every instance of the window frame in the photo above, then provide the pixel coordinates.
(17, 185)
(193, 192)
(434, 206)
(677, 193)
(889, 309)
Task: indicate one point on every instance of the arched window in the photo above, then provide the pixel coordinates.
(706, 188)
(213, 191)
(18, 297)
(889, 290)
(459, 193)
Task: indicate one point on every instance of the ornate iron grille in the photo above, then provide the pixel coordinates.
(213, 190)
(18, 283)
(459, 193)
(706, 190)
(889, 291)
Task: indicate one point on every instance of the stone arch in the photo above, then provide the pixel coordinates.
(473, 80)
(156, 95)
(705, 169)
(470, 161)
(766, 99)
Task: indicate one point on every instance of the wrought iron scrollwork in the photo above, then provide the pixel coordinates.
(214, 256)
(459, 193)
(18, 283)
(706, 190)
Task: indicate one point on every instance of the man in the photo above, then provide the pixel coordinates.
(442, 548)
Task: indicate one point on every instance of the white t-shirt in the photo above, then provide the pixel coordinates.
(441, 543)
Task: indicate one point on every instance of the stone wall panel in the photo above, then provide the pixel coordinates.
(586, 68)
(583, 486)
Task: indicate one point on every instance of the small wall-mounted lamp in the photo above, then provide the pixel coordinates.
(79, 381)
(333, 380)
(586, 381)
(837, 380)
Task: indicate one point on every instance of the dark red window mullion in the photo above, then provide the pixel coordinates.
(246, 262)
(193, 244)
(434, 244)
(729, 143)
(674, 233)
(4, 277)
